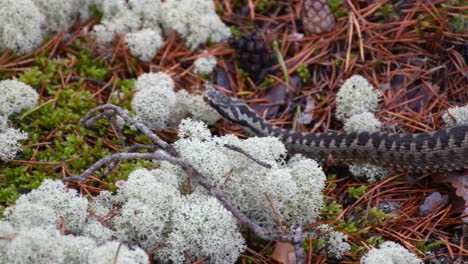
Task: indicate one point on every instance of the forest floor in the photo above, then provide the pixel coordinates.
(415, 52)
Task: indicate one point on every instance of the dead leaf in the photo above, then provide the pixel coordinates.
(432, 202)
(275, 95)
(222, 79)
(306, 117)
(460, 183)
(283, 253)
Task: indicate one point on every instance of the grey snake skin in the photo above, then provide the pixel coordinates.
(441, 150)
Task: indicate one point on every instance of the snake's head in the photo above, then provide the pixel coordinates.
(217, 99)
(226, 106)
(236, 111)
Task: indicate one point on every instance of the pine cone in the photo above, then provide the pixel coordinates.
(254, 55)
(317, 17)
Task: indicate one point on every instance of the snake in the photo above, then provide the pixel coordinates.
(440, 150)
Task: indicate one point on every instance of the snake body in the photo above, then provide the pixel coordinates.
(441, 150)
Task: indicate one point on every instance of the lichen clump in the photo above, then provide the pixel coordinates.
(389, 253)
(356, 96)
(148, 211)
(294, 188)
(457, 115)
(20, 29)
(143, 44)
(26, 21)
(355, 103)
(204, 65)
(158, 105)
(16, 96)
(362, 122)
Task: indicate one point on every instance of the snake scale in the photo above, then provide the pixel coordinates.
(441, 150)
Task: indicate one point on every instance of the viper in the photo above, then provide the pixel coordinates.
(441, 150)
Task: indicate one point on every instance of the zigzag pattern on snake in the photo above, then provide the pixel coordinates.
(441, 150)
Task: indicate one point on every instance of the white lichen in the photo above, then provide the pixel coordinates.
(214, 234)
(195, 130)
(362, 122)
(63, 205)
(146, 215)
(150, 12)
(61, 15)
(204, 65)
(6, 232)
(356, 96)
(20, 29)
(336, 242)
(359, 123)
(289, 188)
(103, 205)
(125, 21)
(370, 172)
(390, 253)
(206, 157)
(154, 100)
(29, 215)
(10, 142)
(144, 44)
(455, 116)
(76, 248)
(308, 199)
(16, 96)
(118, 253)
(97, 231)
(195, 20)
(111, 8)
(37, 245)
(157, 105)
(128, 17)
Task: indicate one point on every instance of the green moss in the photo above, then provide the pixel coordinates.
(386, 11)
(244, 74)
(266, 82)
(375, 216)
(358, 222)
(96, 11)
(426, 246)
(375, 240)
(236, 32)
(357, 192)
(90, 68)
(458, 24)
(304, 73)
(337, 7)
(331, 210)
(58, 145)
(265, 5)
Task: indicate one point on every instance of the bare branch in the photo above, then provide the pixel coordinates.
(132, 149)
(240, 150)
(300, 255)
(110, 159)
(89, 121)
